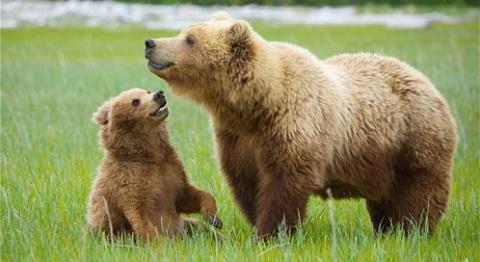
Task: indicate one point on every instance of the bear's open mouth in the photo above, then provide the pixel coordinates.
(162, 111)
(159, 66)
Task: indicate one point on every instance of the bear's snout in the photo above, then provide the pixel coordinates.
(149, 45)
(159, 97)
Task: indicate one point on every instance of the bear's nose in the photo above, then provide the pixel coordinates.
(159, 97)
(149, 44)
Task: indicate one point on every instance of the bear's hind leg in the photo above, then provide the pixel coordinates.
(420, 199)
(423, 167)
(380, 215)
(105, 218)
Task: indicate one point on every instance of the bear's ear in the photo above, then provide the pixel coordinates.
(239, 38)
(101, 116)
(220, 15)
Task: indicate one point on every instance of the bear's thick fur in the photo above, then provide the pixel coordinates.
(288, 125)
(141, 186)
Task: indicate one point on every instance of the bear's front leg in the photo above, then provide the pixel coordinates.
(193, 200)
(287, 177)
(237, 160)
(280, 203)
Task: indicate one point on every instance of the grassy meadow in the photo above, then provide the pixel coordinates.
(52, 80)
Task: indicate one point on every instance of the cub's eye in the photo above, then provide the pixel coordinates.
(135, 102)
(148, 92)
(190, 41)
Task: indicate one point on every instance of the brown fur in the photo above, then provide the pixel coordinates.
(288, 125)
(141, 186)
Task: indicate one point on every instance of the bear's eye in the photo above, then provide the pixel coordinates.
(148, 92)
(190, 41)
(135, 102)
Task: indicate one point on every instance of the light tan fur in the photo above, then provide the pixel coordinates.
(141, 186)
(288, 125)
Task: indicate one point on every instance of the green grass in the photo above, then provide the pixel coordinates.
(52, 80)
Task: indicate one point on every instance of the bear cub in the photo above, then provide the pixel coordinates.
(141, 187)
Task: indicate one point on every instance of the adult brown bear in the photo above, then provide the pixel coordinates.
(288, 125)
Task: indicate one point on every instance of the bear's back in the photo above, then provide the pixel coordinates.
(374, 71)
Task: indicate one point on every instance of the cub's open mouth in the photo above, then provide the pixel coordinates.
(159, 66)
(162, 111)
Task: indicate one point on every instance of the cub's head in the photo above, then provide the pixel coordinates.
(204, 55)
(133, 107)
(130, 116)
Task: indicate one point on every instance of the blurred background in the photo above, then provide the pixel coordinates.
(170, 14)
(60, 60)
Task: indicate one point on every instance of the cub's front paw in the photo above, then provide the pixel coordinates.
(210, 215)
(216, 222)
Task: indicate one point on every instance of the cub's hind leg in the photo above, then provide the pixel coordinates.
(104, 217)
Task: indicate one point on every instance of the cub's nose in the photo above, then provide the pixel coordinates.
(159, 97)
(149, 44)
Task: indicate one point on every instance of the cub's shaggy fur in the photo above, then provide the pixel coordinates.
(288, 125)
(141, 187)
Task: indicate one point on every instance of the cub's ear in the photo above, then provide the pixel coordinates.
(239, 37)
(220, 15)
(101, 116)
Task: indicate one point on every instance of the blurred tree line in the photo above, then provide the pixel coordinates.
(312, 2)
